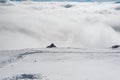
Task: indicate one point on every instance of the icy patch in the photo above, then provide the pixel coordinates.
(26, 77)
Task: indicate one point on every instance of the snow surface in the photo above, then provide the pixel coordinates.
(80, 24)
(63, 63)
(37, 24)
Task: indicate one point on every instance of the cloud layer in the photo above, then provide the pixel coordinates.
(35, 24)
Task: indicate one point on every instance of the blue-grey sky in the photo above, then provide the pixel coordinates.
(82, 0)
(73, 0)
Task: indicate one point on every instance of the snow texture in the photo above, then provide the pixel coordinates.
(94, 27)
(60, 64)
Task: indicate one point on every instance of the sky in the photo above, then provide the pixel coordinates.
(80, 0)
(73, 0)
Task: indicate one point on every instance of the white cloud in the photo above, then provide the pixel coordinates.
(38, 24)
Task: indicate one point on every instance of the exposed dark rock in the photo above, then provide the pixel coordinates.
(51, 46)
(68, 6)
(115, 46)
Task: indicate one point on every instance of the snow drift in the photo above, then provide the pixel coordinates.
(37, 24)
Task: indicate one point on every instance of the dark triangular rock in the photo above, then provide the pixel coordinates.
(51, 46)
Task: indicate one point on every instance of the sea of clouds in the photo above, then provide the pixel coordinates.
(80, 24)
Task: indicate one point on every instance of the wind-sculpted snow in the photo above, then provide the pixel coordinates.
(26, 77)
(37, 24)
(60, 63)
(10, 56)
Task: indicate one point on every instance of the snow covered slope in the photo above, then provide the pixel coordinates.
(67, 24)
(61, 64)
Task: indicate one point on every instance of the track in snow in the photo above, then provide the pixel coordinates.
(13, 55)
(62, 63)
